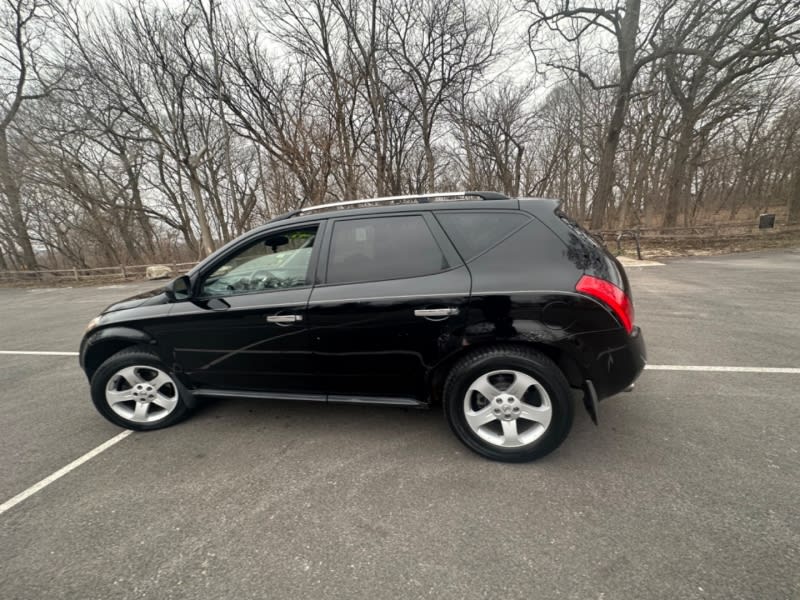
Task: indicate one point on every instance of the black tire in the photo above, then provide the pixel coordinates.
(527, 361)
(136, 356)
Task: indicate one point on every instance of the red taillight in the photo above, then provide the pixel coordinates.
(610, 295)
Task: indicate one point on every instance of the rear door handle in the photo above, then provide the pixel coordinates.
(284, 319)
(428, 313)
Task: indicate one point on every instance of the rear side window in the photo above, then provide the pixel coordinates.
(383, 248)
(474, 232)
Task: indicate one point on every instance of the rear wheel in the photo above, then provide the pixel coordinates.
(508, 403)
(133, 389)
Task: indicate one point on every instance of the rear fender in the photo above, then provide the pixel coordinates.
(557, 345)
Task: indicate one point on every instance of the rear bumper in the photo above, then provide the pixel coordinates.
(617, 367)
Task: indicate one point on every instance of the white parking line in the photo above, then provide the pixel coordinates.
(63, 471)
(710, 369)
(789, 370)
(36, 353)
(121, 436)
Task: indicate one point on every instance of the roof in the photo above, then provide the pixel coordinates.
(366, 204)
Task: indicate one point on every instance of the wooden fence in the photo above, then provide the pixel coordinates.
(76, 274)
(695, 237)
(716, 230)
(639, 236)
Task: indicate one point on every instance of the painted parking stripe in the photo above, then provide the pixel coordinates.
(62, 471)
(35, 353)
(710, 369)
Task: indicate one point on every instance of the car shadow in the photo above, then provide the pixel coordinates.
(375, 429)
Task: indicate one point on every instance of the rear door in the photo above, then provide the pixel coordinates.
(392, 300)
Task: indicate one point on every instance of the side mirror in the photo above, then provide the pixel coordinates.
(179, 288)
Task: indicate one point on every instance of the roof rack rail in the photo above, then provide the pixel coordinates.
(420, 198)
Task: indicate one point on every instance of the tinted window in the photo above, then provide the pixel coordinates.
(383, 248)
(278, 261)
(473, 232)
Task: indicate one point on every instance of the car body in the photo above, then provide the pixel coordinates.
(378, 304)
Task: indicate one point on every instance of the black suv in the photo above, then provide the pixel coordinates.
(498, 308)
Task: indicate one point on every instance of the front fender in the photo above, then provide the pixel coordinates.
(98, 345)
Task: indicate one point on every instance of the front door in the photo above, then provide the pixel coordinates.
(245, 329)
(392, 302)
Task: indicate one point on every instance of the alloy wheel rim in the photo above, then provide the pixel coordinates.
(141, 394)
(507, 408)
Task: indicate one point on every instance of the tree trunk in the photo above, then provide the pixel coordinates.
(148, 235)
(430, 161)
(11, 189)
(676, 184)
(626, 51)
(132, 254)
(794, 198)
(263, 183)
(517, 171)
(472, 177)
(607, 171)
(382, 166)
(206, 241)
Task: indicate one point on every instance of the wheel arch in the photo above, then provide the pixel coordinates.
(99, 346)
(559, 355)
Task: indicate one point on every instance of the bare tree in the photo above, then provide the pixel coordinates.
(208, 13)
(494, 130)
(27, 74)
(709, 77)
(622, 22)
(438, 48)
(173, 128)
(137, 57)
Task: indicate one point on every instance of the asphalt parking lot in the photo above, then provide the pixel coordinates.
(690, 487)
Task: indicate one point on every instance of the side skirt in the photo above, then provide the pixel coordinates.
(377, 400)
(246, 395)
(335, 398)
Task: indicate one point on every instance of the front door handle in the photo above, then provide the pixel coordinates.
(284, 319)
(429, 313)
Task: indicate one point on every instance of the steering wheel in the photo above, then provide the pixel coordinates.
(261, 277)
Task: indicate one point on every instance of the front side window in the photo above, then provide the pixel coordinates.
(278, 261)
(383, 248)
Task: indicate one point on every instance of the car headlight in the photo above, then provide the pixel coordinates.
(92, 324)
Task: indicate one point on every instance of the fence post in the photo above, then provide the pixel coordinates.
(75, 273)
(124, 273)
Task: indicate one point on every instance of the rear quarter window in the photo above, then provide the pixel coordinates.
(576, 229)
(473, 232)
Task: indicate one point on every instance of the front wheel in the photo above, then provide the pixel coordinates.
(508, 403)
(133, 389)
